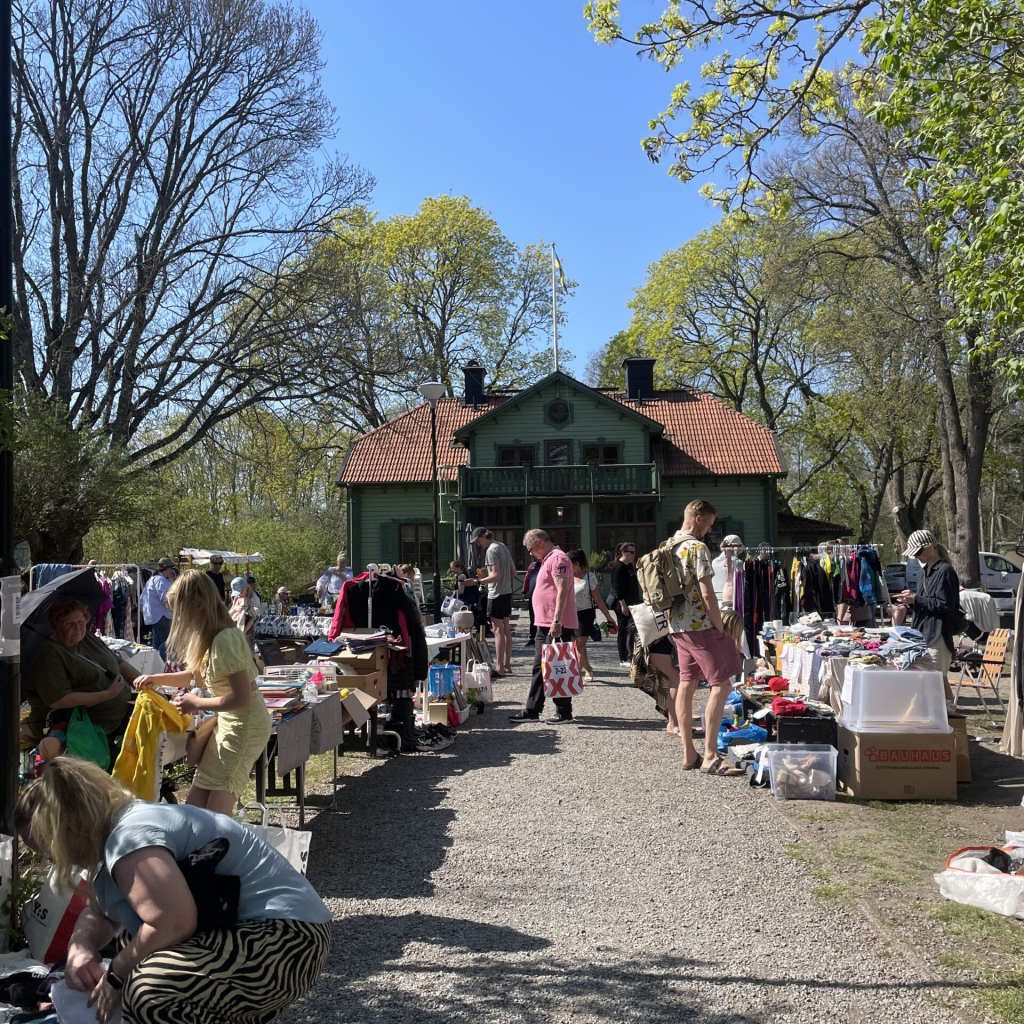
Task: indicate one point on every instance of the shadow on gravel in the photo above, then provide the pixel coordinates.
(390, 833)
(539, 989)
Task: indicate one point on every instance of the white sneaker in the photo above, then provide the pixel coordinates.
(625, 664)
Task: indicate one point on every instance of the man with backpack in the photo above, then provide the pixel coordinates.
(705, 650)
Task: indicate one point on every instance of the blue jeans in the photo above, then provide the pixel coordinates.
(161, 629)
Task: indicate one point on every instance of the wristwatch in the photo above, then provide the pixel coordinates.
(114, 981)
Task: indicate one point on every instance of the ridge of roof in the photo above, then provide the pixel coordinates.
(578, 384)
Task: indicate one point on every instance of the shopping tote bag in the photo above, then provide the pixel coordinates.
(291, 843)
(561, 670)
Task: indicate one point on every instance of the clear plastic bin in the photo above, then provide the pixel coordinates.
(879, 699)
(803, 771)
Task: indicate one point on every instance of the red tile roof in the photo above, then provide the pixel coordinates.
(399, 451)
(703, 437)
(706, 437)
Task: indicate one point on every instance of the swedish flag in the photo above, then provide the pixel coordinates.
(561, 272)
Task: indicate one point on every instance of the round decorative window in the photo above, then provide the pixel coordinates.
(558, 412)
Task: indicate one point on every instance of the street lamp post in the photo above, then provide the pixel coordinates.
(432, 391)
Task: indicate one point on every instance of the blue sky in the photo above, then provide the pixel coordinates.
(515, 106)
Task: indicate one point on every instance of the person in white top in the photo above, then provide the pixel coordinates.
(588, 600)
(724, 567)
(329, 585)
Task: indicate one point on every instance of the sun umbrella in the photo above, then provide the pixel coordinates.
(80, 585)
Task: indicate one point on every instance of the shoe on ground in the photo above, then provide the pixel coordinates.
(588, 677)
(560, 718)
(524, 716)
(625, 664)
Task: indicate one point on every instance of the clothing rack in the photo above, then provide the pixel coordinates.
(765, 548)
(127, 566)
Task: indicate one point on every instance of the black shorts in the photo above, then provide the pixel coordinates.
(587, 617)
(663, 645)
(500, 607)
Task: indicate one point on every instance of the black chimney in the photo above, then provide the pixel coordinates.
(639, 378)
(474, 388)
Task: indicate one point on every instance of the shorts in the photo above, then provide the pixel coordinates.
(663, 645)
(707, 654)
(500, 607)
(587, 617)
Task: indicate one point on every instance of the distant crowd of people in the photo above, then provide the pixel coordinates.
(705, 644)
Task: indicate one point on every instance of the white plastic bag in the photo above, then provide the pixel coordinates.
(292, 844)
(48, 919)
(998, 892)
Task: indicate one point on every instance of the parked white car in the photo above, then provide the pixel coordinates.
(999, 576)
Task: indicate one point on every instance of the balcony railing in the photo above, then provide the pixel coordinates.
(557, 481)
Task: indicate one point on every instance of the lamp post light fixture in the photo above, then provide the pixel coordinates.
(431, 391)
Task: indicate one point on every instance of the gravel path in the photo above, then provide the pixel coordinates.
(549, 873)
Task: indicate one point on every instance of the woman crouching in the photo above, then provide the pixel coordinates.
(200, 898)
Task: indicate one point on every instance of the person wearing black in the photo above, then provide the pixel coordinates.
(528, 585)
(936, 605)
(625, 591)
(216, 573)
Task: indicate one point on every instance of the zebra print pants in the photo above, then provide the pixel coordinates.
(244, 975)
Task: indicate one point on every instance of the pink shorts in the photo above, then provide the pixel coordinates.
(707, 654)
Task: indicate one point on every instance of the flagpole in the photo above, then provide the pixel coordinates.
(554, 304)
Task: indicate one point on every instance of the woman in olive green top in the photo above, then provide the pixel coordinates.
(75, 669)
(219, 657)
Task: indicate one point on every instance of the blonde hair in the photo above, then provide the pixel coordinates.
(68, 813)
(733, 627)
(698, 507)
(198, 615)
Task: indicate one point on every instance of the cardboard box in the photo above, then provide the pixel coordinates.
(356, 708)
(962, 747)
(897, 765)
(367, 671)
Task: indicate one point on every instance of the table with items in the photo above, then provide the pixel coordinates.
(847, 703)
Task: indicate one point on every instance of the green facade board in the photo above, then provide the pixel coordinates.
(626, 497)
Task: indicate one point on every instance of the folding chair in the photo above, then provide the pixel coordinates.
(983, 671)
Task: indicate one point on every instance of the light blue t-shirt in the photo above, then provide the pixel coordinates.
(271, 888)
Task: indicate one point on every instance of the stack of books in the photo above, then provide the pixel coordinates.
(281, 698)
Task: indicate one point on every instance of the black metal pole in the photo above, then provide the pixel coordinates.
(437, 514)
(10, 698)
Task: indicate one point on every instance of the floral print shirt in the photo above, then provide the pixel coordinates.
(690, 615)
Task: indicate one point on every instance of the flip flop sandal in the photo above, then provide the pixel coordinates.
(694, 765)
(720, 767)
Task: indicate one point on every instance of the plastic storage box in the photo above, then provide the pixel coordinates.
(878, 699)
(802, 771)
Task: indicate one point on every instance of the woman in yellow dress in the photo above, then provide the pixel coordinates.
(218, 656)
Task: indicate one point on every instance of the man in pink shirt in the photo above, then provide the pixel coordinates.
(554, 610)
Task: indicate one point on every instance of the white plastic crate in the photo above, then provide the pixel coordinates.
(878, 699)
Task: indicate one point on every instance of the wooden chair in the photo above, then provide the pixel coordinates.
(982, 671)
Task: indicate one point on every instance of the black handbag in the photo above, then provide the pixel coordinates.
(216, 896)
(596, 634)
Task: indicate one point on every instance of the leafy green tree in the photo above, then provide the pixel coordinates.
(462, 290)
(727, 312)
(957, 86)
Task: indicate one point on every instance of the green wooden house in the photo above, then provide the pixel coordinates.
(590, 466)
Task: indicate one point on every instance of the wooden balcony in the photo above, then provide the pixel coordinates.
(557, 481)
